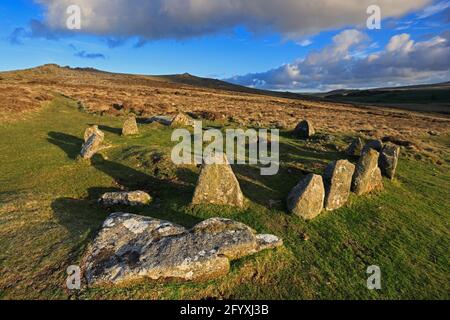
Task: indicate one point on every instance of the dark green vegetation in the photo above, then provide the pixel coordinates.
(429, 98)
(49, 213)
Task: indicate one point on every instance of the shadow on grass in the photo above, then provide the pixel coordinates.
(71, 145)
(171, 197)
(298, 159)
(117, 131)
(267, 191)
(81, 218)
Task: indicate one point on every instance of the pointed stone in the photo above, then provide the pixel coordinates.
(307, 198)
(338, 181)
(367, 177)
(389, 159)
(217, 184)
(304, 130)
(130, 127)
(355, 148)
(92, 146)
(91, 130)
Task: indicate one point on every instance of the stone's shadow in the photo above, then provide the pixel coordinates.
(82, 219)
(71, 145)
(272, 191)
(69, 210)
(109, 129)
(188, 177)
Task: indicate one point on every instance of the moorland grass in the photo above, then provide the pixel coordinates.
(49, 213)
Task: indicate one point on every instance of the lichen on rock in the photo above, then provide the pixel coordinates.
(131, 247)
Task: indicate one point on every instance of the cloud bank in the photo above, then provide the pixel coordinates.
(344, 64)
(179, 19)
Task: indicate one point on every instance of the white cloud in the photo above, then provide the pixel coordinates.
(402, 61)
(400, 43)
(156, 19)
(305, 43)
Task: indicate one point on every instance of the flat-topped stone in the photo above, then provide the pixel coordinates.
(131, 247)
(338, 181)
(133, 198)
(367, 177)
(389, 159)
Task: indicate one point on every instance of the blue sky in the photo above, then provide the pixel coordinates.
(251, 43)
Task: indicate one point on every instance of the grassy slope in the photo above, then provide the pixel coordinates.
(48, 213)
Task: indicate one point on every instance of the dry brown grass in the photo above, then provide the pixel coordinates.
(24, 91)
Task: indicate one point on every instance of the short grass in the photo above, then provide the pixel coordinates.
(49, 213)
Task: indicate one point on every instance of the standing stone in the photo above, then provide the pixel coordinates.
(181, 120)
(307, 197)
(376, 145)
(91, 146)
(338, 181)
(217, 184)
(91, 130)
(367, 177)
(389, 159)
(130, 127)
(304, 130)
(131, 247)
(355, 148)
(134, 198)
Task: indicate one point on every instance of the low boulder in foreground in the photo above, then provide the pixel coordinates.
(131, 247)
(367, 177)
(217, 184)
(307, 198)
(130, 127)
(304, 130)
(389, 159)
(134, 198)
(338, 181)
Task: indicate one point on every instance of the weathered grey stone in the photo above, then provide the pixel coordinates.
(304, 130)
(91, 146)
(91, 130)
(131, 247)
(389, 159)
(181, 120)
(134, 198)
(217, 184)
(307, 197)
(367, 177)
(130, 127)
(376, 145)
(355, 148)
(338, 181)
